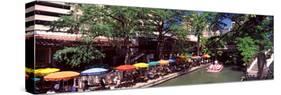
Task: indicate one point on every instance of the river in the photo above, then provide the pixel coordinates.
(200, 76)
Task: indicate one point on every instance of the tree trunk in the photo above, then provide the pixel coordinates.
(127, 56)
(160, 43)
(261, 61)
(161, 49)
(198, 45)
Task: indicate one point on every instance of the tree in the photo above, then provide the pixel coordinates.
(197, 22)
(77, 56)
(248, 48)
(252, 35)
(203, 44)
(89, 22)
(163, 24)
(125, 22)
(116, 22)
(264, 36)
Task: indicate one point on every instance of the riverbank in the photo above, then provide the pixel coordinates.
(160, 80)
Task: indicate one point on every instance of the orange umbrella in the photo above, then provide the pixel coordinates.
(206, 56)
(126, 68)
(63, 75)
(163, 62)
(195, 57)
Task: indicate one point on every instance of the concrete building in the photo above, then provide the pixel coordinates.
(39, 14)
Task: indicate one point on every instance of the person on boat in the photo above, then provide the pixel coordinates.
(213, 66)
(217, 65)
(216, 62)
(210, 67)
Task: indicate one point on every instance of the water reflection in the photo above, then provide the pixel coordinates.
(202, 77)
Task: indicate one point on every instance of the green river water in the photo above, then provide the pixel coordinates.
(201, 76)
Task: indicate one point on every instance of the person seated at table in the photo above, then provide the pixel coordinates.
(86, 86)
(67, 88)
(102, 83)
(57, 86)
(117, 80)
(150, 75)
(109, 80)
(51, 91)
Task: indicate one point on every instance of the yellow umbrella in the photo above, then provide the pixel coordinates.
(29, 70)
(141, 65)
(45, 71)
(163, 62)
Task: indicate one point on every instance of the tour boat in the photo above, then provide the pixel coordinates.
(215, 68)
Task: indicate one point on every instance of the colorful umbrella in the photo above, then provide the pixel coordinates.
(206, 56)
(29, 70)
(172, 60)
(126, 68)
(163, 62)
(182, 56)
(45, 71)
(153, 63)
(141, 65)
(195, 57)
(35, 79)
(63, 75)
(94, 71)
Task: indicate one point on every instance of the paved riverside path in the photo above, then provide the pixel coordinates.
(252, 70)
(159, 80)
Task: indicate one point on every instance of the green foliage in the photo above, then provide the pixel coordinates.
(101, 29)
(124, 20)
(203, 44)
(181, 46)
(197, 22)
(250, 34)
(179, 31)
(91, 23)
(76, 56)
(248, 48)
(130, 22)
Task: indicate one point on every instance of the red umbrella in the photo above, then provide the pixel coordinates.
(126, 68)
